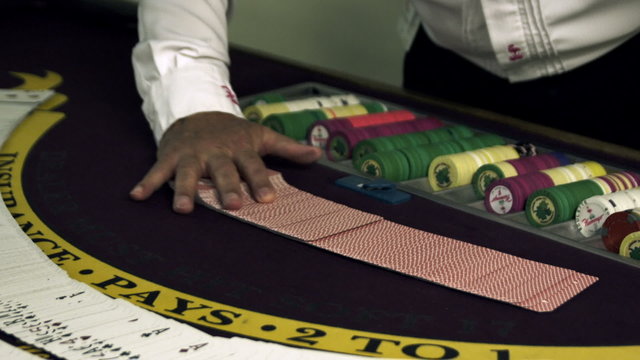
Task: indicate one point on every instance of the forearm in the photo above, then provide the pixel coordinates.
(180, 62)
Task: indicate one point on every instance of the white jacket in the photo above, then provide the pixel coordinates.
(180, 62)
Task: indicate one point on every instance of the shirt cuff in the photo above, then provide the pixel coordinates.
(188, 90)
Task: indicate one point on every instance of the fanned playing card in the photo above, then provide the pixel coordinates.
(438, 259)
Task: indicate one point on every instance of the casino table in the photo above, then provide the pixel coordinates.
(68, 174)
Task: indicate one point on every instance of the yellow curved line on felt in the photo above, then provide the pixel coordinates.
(55, 101)
(207, 313)
(50, 80)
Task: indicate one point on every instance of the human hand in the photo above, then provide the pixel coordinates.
(223, 147)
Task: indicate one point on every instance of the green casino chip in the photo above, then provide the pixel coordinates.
(480, 141)
(267, 98)
(371, 167)
(294, 124)
(369, 146)
(559, 203)
(418, 162)
(460, 131)
(390, 165)
(386, 143)
(339, 148)
(483, 177)
(415, 139)
(540, 209)
(441, 134)
(374, 107)
(399, 141)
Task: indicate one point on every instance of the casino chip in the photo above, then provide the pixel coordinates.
(408, 140)
(296, 124)
(293, 124)
(419, 158)
(320, 131)
(454, 170)
(594, 211)
(488, 173)
(390, 165)
(519, 188)
(258, 112)
(560, 203)
(630, 246)
(341, 144)
(619, 225)
(267, 98)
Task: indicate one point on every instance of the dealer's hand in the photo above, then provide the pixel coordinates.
(223, 147)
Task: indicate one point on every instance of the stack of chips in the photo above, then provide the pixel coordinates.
(594, 211)
(617, 226)
(258, 112)
(489, 173)
(510, 195)
(340, 144)
(409, 140)
(454, 170)
(296, 124)
(321, 130)
(559, 203)
(391, 165)
(385, 163)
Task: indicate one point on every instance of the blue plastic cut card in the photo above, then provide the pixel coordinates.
(380, 189)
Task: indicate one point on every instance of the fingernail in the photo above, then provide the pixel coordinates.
(136, 191)
(265, 195)
(182, 202)
(231, 201)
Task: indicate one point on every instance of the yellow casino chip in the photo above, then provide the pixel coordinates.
(630, 246)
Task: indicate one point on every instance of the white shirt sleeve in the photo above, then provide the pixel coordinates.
(527, 39)
(180, 62)
(549, 37)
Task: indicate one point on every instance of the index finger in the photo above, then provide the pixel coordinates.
(286, 147)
